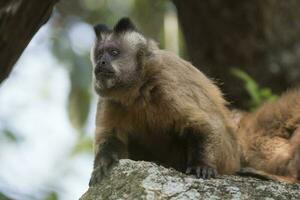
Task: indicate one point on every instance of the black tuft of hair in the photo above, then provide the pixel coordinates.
(123, 25)
(101, 28)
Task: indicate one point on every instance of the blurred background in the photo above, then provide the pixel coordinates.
(47, 105)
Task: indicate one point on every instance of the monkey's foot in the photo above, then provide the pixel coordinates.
(202, 171)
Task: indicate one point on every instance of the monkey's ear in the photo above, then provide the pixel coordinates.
(123, 25)
(100, 29)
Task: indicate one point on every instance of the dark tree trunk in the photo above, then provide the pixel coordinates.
(19, 21)
(260, 37)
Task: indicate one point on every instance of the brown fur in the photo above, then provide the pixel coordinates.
(270, 137)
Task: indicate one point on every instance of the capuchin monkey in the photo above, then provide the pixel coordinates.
(155, 106)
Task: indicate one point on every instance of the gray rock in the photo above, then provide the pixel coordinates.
(144, 180)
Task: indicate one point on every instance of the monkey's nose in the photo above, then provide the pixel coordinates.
(104, 69)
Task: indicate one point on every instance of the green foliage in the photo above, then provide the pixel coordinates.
(8, 135)
(257, 94)
(79, 68)
(52, 196)
(3, 197)
(83, 145)
(155, 11)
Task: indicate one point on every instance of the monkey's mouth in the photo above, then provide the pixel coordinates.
(104, 73)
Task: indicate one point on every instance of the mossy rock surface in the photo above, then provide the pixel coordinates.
(144, 180)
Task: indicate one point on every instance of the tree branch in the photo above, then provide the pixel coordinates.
(19, 21)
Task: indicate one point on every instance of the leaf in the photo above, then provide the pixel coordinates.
(84, 145)
(257, 95)
(10, 136)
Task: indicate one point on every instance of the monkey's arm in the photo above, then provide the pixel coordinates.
(197, 161)
(211, 146)
(109, 149)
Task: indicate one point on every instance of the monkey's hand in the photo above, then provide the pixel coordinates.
(109, 152)
(102, 167)
(197, 160)
(202, 171)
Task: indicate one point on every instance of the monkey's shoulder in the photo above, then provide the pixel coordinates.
(180, 76)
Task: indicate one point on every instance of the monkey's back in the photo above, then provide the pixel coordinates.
(278, 118)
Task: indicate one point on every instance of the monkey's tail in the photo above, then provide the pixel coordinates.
(248, 171)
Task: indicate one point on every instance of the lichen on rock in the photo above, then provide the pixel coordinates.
(144, 180)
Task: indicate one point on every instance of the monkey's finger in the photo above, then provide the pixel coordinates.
(198, 172)
(188, 170)
(91, 182)
(211, 172)
(104, 170)
(96, 177)
(215, 173)
(203, 172)
(115, 158)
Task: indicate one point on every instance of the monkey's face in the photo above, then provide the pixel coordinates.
(115, 56)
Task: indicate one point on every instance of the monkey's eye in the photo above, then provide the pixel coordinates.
(114, 52)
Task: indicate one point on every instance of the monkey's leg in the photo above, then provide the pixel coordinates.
(109, 151)
(294, 165)
(196, 158)
(281, 158)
